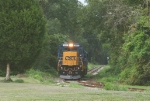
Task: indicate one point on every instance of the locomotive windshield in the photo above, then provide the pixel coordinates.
(70, 49)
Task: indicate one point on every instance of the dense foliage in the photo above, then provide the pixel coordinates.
(118, 29)
(135, 54)
(22, 31)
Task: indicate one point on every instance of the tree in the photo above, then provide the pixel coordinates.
(22, 30)
(92, 18)
(135, 54)
(62, 25)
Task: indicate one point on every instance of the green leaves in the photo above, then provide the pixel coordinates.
(22, 31)
(136, 53)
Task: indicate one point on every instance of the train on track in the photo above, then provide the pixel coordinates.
(72, 61)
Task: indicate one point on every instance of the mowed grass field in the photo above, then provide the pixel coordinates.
(32, 90)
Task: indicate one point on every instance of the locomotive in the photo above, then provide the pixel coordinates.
(72, 61)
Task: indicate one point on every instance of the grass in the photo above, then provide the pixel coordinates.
(91, 65)
(41, 92)
(7, 81)
(19, 81)
(32, 88)
(111, 81)
(75, 85)
(115, 87)
(42, 77)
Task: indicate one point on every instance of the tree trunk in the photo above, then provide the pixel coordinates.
(8, 71)
(148, 8)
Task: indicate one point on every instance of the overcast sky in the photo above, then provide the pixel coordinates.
(82, 1)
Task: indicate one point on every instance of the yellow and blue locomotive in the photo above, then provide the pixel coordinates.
(72, 61)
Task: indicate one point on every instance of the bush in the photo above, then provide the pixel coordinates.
(125, 74)
(2, 73)
(136, 55)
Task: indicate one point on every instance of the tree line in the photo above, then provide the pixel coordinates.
(118, 29)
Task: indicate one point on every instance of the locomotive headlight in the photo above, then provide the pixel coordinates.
(70, 44)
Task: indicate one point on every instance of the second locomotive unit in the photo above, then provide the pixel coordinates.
(72, 61)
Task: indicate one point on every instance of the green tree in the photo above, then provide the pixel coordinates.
(135, 54)
(62, 25)
(118, 19)
(22, 30)
(92, 20)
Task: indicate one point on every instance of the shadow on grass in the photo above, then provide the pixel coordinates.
(10, 81)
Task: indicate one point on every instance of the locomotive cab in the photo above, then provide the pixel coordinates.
(72, 61)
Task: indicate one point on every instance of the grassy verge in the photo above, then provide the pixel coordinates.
(112, 82)
(31, 76)
(40, 92)
(42, 77)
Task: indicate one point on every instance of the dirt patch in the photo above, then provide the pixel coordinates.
(136, 89)
(91, 84)
(21, 75)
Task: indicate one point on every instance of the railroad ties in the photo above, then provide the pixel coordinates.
(95, 70)
(89, 82)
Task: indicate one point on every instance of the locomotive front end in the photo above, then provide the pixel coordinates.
(70, 64)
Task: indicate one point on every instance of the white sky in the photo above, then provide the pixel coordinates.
(82, 1)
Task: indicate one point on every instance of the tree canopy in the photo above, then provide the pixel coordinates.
(22, 31)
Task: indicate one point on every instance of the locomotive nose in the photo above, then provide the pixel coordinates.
(70, 72)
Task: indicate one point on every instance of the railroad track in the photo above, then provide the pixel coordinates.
(95, 70)
(91, 83)
(88, 82)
